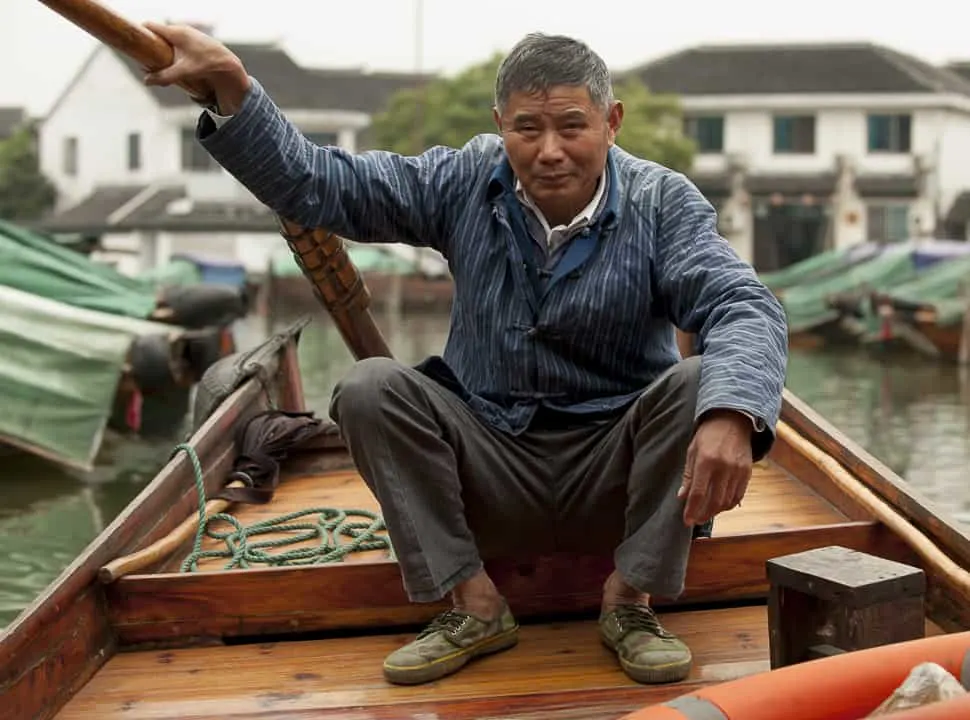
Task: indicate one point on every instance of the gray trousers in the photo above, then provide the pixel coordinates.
(453, 490)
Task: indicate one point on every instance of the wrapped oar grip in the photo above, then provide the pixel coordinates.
(338, 285)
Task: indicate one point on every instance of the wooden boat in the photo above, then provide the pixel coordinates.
(833, 304)
(308, 640)
(930, 314)
(125, 632)
(67, 372)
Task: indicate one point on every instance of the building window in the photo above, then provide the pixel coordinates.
(194, 156)
(707, 132)
(70, 156)
(134, 151)
(322, 138)
(889, 133)
(795, 134)
(887, 222)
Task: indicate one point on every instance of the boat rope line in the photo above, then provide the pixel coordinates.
(335, 531)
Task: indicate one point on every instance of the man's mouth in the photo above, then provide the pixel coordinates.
(553, 178)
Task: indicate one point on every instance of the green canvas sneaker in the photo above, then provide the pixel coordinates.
(447, 644)
(647, 652)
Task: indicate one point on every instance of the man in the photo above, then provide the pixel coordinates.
(561, 414)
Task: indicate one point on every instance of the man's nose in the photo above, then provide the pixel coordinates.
(550, 148)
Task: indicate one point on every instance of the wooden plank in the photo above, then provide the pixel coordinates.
(65, 653)
(40, 667)
(179, 609)
(945, 531)
(568, 668)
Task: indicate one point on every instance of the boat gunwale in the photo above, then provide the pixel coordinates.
(25, 665)
(913, 505)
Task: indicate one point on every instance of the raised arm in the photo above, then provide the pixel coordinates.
(369, 197)
(373, 196)
(709, 291)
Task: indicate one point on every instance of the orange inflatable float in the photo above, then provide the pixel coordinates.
(840, 687)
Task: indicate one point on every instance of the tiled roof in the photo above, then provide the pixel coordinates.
(788, 69)
(888, 185)
(91, 214)
(158, 210)
(960, 68)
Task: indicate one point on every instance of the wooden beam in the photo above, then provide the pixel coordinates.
(184, 609)
(945, 531)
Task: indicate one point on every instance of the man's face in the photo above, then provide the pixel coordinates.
(557, 143)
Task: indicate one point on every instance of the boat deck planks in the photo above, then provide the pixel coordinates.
(342, 677)
(774, 501)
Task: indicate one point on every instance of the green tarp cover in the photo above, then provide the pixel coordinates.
(177, 272)
(820, 264)
(806, 306)
(367, 259)
(943, 284)
(34, 264)
(59, 371)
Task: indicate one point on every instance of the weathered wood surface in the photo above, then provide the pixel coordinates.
(833, 599)
(179, 609)
(558, 671)
(573, 676)
(64, 636)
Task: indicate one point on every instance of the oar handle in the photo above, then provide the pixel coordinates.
(135, 41)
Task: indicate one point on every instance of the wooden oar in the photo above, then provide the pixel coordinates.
(163, 547)
(320, 253)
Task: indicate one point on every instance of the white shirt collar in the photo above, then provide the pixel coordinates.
(582, 219)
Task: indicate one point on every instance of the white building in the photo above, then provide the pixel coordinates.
(127, 165)
(808, 147)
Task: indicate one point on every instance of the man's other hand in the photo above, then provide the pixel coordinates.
(718, 466)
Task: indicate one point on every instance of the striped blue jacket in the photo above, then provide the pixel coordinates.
(585, 336)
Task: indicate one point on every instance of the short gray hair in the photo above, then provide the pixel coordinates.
(539, 62)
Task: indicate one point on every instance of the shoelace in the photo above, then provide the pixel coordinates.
(640, 617)
(449, 620)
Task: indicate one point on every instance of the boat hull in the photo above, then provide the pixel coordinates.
(184, 635)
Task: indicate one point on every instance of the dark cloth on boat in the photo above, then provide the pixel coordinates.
(454, 490)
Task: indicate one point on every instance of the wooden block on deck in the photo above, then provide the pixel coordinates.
(834, 599)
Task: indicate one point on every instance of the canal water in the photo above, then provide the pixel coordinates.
(912, 414)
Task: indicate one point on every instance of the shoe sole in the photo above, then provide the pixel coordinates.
(654, 674)
(444, 666)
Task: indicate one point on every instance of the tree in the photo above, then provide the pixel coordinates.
(25, 194)
(653, 126)
(451, 110)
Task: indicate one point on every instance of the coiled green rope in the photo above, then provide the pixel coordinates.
(329, 526)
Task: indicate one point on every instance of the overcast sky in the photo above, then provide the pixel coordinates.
(40, 51)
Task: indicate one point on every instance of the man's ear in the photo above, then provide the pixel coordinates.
(615, 120)
(497, 118)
